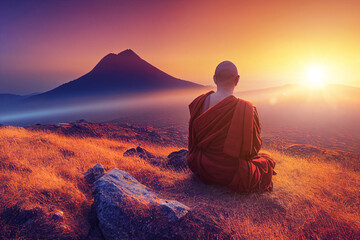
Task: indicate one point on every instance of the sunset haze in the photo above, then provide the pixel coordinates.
(44, 44)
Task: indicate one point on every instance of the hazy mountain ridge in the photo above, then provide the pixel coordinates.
(8, 100)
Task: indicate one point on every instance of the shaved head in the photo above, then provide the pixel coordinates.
(226, 73)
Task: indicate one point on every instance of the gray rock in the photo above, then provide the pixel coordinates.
(126, 209)
(177, 160)
(173, 210)
(94, 173)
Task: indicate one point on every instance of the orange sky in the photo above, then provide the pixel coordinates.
(47, 43)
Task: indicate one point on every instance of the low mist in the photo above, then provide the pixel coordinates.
(289, 111)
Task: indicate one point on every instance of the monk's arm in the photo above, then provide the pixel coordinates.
(190, 141)
(190, 132)
(257, 141)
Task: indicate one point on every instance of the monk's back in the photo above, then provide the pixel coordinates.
(212, 99)
(224, 141)
(224, 137)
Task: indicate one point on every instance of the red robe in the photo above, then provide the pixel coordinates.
(224, 144)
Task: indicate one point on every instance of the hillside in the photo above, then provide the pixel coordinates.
(41, 168)
(8, 100)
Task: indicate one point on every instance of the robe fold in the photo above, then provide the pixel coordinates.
(224, 143)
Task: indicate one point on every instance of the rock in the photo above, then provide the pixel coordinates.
(94, 173)
(126, 209)
(130, 152)
(95, 231)
(140, 152)
(144, 154)
(58, 216)
(177, 160)
(95, 234)
(173, 210)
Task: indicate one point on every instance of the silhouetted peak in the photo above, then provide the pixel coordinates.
(109, 56)
(114, 61)
(128, 53)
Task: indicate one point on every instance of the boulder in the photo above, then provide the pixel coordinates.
(94, 173)
(140, 152)
(144, 154)
(125, 208)
(177, 160)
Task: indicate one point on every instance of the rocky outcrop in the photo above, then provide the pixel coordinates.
(144, 154)
(124, 208)
(140, 152)
(94, 173)
(177, 160)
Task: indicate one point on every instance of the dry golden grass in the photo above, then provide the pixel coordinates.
(311, 198)
(45, 169)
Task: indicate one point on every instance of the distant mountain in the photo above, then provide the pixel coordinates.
(7, 100)
(119, 73)
(9, 97)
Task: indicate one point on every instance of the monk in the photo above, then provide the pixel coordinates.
(224, 138)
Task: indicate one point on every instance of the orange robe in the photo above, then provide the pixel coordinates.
(224, 144)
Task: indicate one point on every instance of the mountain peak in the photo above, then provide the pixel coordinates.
(128, 53)
(121, 73)
(113, 62)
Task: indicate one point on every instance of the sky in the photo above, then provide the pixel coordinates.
(46, 43)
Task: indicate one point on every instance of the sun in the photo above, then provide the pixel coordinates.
(315, 76)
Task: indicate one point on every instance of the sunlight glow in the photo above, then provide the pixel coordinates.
(315, 76)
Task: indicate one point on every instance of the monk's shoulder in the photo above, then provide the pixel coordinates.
(248, 103)
(197, 99)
